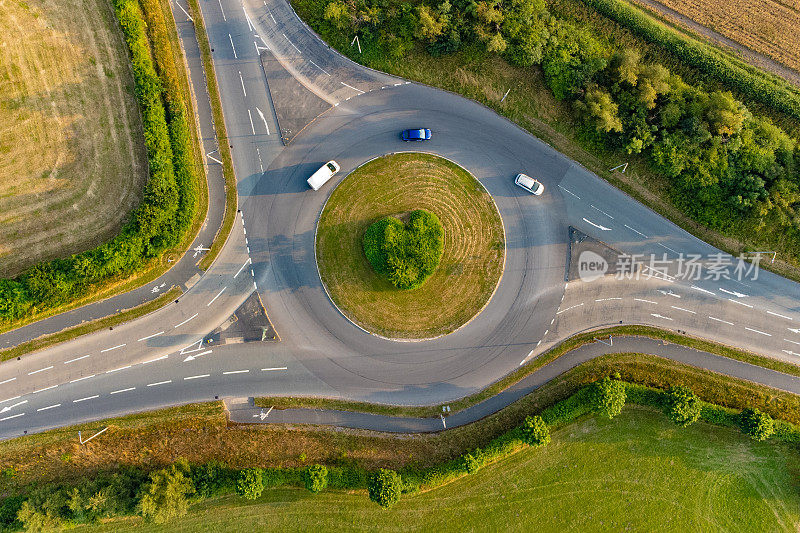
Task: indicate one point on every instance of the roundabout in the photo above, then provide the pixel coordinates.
(472, 246)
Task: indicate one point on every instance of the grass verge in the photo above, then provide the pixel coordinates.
(90, 327)
(472, 257)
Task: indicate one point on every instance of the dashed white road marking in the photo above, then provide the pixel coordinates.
(793, 342)
(319, 67)
(666, 247)
(154, 360)
(235, 372)
(290, 42)
(252, 127)
(636, 231)
(112, 348)
(87, 398)
(217, 296)
(197, 377)
(249, 22)
(702, 290)
(598, 226)
(645, 301)
(568, 308)
(682, 309)
(720, 320)
(794, 330)
(740, 303)
(185, 321)
(569, 192)
(359, 90)
(9, 380)
(273, 368)
(759, 332)
(234, 48)
(10, 417)
(44, 389)
(607, 299)
(656, 315)
(122, 390)
(10, 399)
(244, 265)
(223, 11)
(606, 214)
(779, 315)
(76, 359)
(118, 369)
(40, 370)
(733, 293)
(81, 379)
(242, 80)
(150, 336)
(49, 407)
(157, 383)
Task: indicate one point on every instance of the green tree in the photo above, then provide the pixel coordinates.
(337, 14)
(599, 109)
(316, 478)
(724, 113)
(385, 487)
(166, 495)
(682, 406)
(431, 25)
(535, 431)
(250, 483)
(608, 397)
(653, 80)
(472, 461)
(626, 65)
(34, 519)
(756, 424)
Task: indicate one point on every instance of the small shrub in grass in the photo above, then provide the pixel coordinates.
(682, 406)
(472, 461)
(608, 397)
(756, 424)
(316, 478)
(209, 478)
(535, 431)
(385, 487)
(249, 483)
(166, 495)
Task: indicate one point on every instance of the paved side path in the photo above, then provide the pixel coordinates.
(245, 413)
(185, 272)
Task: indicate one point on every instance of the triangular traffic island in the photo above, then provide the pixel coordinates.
(589, 258)
(249, 323)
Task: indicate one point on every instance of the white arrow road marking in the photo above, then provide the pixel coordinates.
(794, 330)
(598, 226)
(260, 114)
(193, 357)
(10, 417)
(49, 407)
(759, 332)
(660, 316)
(669, 293)
(720, 320)
(733, 293)
(7, 408)
(779, 315)
(702, 290)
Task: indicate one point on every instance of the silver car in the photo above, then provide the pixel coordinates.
(529, 184)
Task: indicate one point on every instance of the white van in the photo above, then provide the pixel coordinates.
(322, 175)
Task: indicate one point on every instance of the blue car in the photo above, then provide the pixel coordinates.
(417, 134)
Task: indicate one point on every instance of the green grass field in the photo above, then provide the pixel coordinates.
(636, 472)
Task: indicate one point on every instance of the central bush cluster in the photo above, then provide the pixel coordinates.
(407, 254)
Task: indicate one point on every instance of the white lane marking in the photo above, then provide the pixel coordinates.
(76, 359)
(703, 290)
(44, 389)
(185, 321)
(780, 315)
(270, 16)
(157, 383)
(645, 301)
(213, 158)
(660, 316)
(87, 398)
(9, 399)
(197, 377)
(252, 127)
(193, 357)
(667, 247)
(217, 296)
(154, 360)
(359, 90)
(118, 369)
(235, 372)
(319, 67)
(669, 293)
(40, 370)
(658, 274)
(184, 11)
(598, 226)
(568, 308)
(223, 11)
(791, 352)
(10, 407)
(290, 42)
(81, 379)
(552, 320)
(569, 192)
(607, 299)
(720, 320)
(7, 381)
(260, 114)
(234, 48)
(10, 417)
(740, 303)
(759, 332)
(606, 214)
(733, 293)
(794, 330)
(122, 390)
(273, 368)
(49, 407)
(242, 80)
(793, 342)
(112, 348)
(636, 231)
(244, 265)
(249, 22)
(150, 336)
(682, 309)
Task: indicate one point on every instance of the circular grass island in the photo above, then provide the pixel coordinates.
(472, 251)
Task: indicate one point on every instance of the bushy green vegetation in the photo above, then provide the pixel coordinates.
(725, 165)
(385, 487)
(607, 397)
(250, 483)
(170, 197)
(682, 406)
(407, 254)
(316, 478)
(756, 424)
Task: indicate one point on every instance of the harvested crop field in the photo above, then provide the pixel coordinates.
(770, 27)
(73, 161)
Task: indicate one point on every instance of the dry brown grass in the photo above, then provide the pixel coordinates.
(472, 260)
(73, 160)
(771, 27)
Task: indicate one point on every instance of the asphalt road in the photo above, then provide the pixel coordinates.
(156, 361)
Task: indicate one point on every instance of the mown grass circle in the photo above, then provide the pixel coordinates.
(472, 258)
